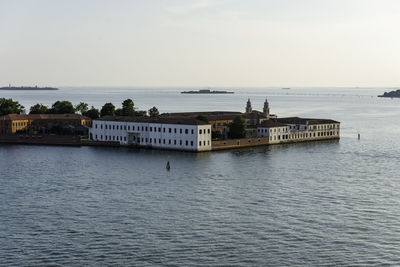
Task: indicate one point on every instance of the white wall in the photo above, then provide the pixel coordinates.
(158, 135)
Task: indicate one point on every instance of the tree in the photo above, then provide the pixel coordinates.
(140, 113)
(216, 135)
(153, 112)
(62, 107)
(39, 109)
(8, 106)
(128, 108)
(82, 107)
(202, 118)
(92, 113)
(107, 110)
(237, 129)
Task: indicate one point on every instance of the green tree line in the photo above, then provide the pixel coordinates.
(9, 106)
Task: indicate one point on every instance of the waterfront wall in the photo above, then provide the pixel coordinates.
(262, 141)
(237, 143)
(66, 140)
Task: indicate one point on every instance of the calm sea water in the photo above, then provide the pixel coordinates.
(324, 203)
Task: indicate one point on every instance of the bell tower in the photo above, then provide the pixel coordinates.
(248, 106)
(266, 109)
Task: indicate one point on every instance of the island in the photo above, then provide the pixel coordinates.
(391, 94)
(26, 88)
(206, 91)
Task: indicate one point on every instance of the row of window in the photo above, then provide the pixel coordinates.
(23, 123)
(146, 140)
(321, 127)
(301, 135)
(273, 130)
(146, 128)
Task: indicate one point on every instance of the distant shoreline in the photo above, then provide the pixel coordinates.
(391, 94)
(28, 88)
(206, 91)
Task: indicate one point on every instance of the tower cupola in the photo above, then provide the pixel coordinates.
(266, 109)
(248, 106)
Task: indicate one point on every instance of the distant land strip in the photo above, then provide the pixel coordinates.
(21, 88)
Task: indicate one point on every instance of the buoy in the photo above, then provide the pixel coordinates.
(168, 166)
(358, 136)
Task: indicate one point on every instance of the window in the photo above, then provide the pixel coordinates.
(208, 130)
(151, 140)
(95, 126)
(105, 126)
(113, 127)
(200, 131)
(187, 131)
(96, 136)
(113, 138)
(169, 130)
(151, 129)
(159, 140)
(117, 127)
(204, 143)
(192, 131)
(146, 128)
(187, 142)
(180, 141)
(164, 130)
(129, 128)
(146, 140)
(169, 141)
(199, 143)
(142, 128)
(174, 130)
(101, 126)
(133, 127)
(159, 129)
(175, 141)
(125, 138)
(180, 130)
(164, 140)
(191, 143)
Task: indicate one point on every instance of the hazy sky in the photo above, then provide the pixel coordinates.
(200, 42)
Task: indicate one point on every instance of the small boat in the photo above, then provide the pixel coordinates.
(286, 88)
(168, 166)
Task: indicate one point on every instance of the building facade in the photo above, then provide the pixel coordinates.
(161, 133)
(13, 123)
(294, 129)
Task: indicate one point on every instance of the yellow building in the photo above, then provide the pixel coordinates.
(13, 123)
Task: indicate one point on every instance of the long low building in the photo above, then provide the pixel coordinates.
(163, 133)
(195, 135)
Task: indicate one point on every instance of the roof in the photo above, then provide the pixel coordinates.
(159, 119)
(215, 115)
(44, 117)
(271, 124)
(297, 120)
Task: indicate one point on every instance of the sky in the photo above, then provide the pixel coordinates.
(210, 43)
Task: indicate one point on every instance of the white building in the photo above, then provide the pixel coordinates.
(276, 131)
(296, 129)
(163, 133)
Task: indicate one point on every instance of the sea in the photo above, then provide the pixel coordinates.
(323, 203)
